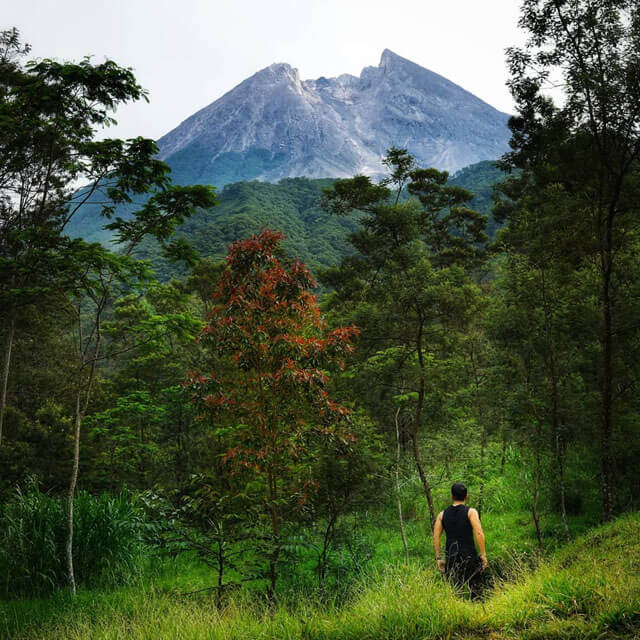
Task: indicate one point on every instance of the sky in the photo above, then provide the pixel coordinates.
(188, 53)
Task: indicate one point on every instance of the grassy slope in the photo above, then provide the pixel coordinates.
(588, 589)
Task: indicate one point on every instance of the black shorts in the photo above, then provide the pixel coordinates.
(463, 571)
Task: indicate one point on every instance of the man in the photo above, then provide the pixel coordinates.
(463, 565)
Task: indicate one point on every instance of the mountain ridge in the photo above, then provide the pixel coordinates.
(275, 125)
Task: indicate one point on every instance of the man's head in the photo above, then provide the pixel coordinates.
(459, 491)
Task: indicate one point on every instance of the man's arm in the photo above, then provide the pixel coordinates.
(474, 519)
(437, 533)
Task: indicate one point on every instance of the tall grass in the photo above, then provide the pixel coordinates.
(589, 589)
(108, 541)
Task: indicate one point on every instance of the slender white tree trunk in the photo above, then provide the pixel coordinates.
(397, 481)
(72, 490)
(83, 395)
(6, 364)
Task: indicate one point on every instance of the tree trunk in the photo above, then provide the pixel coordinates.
(607, 395)
(275, 528)
(483, 438)
(561, 448)
(503, 458)
(72, 489)
(398, 497)
(322, 559)
(416, 430)
(483, 447)
(536, 486)
(82, 404)
(220, 572)
(6, 364)
(423, 477)
(555, 408)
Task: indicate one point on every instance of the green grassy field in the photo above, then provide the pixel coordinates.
(588, 588)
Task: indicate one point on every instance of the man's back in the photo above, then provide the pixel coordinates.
(459, 531)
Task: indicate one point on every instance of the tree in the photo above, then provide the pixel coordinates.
(212, 517)
(100, 277)
(347, 476)
(579, 161)
(50, 113)
(267, 394)
(409, 281)
(532, 368)
(140, 438)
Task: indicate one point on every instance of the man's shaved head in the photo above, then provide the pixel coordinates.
(459, 491)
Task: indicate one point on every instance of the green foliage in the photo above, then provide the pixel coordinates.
(50, 112)
(248, 207)
(109, 541)
(127, 452)
(409, 288)
(292, 206)
(265, 396)
(573, 208)
(480, 180)
(138, 437)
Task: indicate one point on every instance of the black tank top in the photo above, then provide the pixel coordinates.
(455, 521)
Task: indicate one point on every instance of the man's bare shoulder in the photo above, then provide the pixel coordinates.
(473, 514)
(439, 517)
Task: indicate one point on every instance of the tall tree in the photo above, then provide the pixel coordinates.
(580, 156)
(267, 393)
(410, 278)
(50, 113)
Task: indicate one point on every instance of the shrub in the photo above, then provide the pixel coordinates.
(108, 541)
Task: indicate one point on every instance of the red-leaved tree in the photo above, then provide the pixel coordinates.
(268, 393)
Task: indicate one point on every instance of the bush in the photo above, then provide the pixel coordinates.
(107, 541)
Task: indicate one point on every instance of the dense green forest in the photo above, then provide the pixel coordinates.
(292, 206)
(242, 418)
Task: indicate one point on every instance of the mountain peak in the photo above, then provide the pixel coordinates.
(281, 67)
(389, 59)
(276, 72)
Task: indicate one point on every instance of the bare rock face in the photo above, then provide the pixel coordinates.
(275, 125)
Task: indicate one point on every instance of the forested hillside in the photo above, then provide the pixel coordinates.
(246, 416)
(291, 205)
(247, 207)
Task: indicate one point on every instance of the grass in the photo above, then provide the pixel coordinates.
(589, 588)
(108, 547)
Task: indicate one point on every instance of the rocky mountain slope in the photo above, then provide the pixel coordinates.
(275, 125)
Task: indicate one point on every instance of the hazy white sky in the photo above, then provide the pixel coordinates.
(188, 53)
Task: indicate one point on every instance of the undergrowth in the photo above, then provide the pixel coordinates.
(589, 588)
